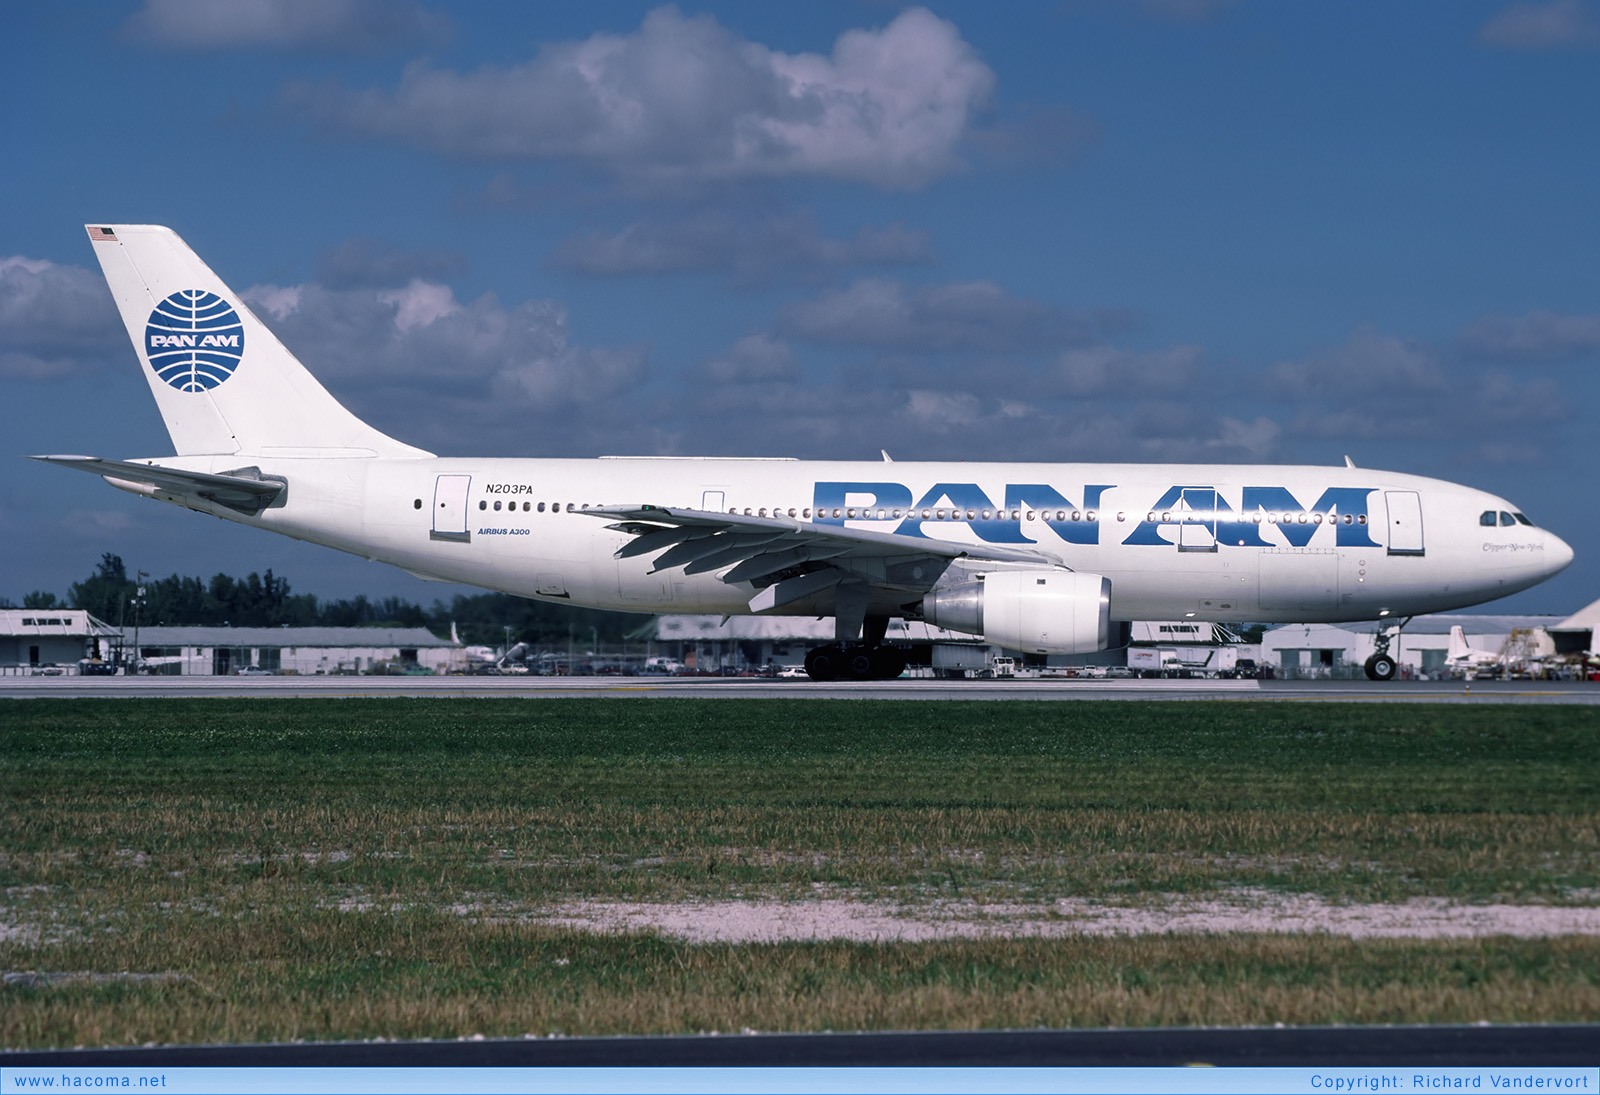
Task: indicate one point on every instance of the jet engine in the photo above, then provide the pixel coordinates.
(1037, 611)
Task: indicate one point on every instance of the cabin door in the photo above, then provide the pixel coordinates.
(1405, 522)
(450, 508)
(1197, 519)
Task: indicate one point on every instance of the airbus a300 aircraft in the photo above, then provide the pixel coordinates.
(1042, 558)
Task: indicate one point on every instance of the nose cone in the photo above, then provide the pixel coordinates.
(1557, 554)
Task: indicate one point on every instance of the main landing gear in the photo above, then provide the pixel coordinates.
(856, 662)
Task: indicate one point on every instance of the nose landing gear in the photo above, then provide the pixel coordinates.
(1381, 666)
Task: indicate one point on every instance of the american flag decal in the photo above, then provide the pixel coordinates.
(102, 235)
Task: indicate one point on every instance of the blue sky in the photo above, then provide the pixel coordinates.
(1085, 230)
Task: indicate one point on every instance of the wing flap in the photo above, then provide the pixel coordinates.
(792, 559)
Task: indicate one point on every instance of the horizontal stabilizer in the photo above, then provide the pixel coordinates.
(244, 490)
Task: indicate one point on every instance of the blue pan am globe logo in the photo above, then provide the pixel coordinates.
(194, 340)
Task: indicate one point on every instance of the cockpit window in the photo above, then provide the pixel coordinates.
(1523, 520)
(1487, 518)
(1506, 520)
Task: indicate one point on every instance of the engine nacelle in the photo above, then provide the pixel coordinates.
(1036, 611)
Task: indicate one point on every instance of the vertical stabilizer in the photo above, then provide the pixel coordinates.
(223, 383)
(1458, 644)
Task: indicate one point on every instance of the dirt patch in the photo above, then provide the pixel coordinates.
(787, 921)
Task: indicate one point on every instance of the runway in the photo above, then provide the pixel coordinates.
(1504, 1046)
(528, 687)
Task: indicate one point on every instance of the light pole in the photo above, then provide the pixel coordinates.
(138, 603)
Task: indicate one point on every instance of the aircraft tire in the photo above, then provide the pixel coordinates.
(1380, 667)
(861, 663)
(824, 662)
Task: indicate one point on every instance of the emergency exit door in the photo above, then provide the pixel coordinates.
(450, 508)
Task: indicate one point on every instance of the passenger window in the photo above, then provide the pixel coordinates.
(806, 513)
(417, 504)
(541, 507)
(1486, 518)
(572, 507)
(483, 505)
(1506, 520)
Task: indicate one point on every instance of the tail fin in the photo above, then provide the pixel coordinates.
(223, 383)
(1458, 644)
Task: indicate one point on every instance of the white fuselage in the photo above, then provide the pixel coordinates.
(1210, 542)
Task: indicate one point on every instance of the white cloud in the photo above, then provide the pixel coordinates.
(474, 374)
(365, 263)
(1381, 388)
(754, 249)
(1108, 370)
(1370, 364)
(758, 358)
(1538, 27)
(1536, 336)
(345, 26)
(683, 99)
(420, 304)
(956, 316)
(943, 411)
(55, 320)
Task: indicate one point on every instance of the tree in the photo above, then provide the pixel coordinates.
(265, 600)
(40, 598)
(103, 594)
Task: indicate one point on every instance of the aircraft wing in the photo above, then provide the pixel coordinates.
(244, 489)
(788, 560)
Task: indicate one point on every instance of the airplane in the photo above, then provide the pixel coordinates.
(1032, 557)
(1461, 655)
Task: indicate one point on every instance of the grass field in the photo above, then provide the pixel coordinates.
(311, 869)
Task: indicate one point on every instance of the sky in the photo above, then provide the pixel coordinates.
(1085, 230)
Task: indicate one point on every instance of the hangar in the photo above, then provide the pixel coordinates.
(35, 639)
(1577, 634)
(1339, 650)
(311, 651)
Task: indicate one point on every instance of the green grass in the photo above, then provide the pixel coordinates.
(216, 838)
